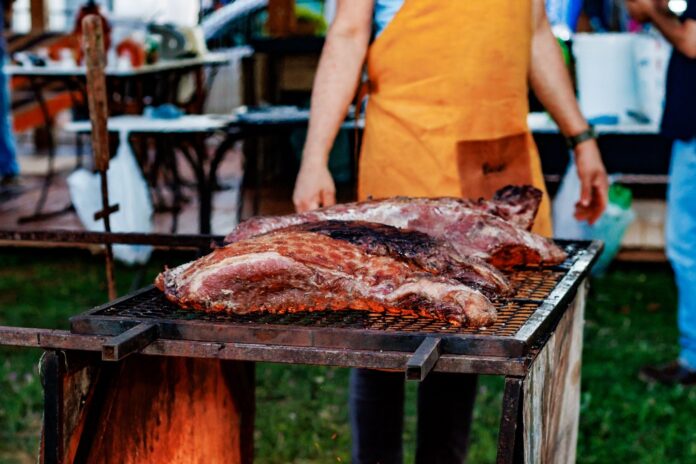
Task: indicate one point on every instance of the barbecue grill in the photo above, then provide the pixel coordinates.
(539, 296)
(535, 343)
(175, 394)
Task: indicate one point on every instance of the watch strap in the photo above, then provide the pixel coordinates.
(575, 140)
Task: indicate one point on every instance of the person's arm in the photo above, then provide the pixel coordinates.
(550, 80)
(337, 77)
(681, 34)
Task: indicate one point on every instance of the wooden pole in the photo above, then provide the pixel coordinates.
(281, 18)
(93, 40)
(39, 15)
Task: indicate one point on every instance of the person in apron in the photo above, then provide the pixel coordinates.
(446, 116)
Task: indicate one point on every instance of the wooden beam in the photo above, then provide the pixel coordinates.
(551, 394)
(39, 15)
(281, 18)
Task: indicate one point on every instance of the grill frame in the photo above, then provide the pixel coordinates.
(531, 331)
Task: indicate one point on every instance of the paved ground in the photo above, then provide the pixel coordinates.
(33, 168)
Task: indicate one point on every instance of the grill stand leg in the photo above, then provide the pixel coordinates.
(541, 411)
(52, 373)
(510, 437)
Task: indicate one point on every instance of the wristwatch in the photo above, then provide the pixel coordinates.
(575, 140)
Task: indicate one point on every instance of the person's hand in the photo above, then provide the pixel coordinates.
(594, 184)
(641, 10)
(314, 187)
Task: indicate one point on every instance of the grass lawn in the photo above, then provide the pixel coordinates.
(302, 414)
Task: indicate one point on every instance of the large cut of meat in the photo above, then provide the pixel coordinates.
(491, 230)
(419, 250)
(516, 204)
(296, 270)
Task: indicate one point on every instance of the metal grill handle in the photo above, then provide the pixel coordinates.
(129, 342)
(423, 359)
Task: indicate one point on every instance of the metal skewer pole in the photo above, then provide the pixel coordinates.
(93, 39)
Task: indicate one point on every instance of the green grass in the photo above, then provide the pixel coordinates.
(302, 414)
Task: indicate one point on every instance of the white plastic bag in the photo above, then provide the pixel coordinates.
(128, 189)
(609, 228)
(565, 225)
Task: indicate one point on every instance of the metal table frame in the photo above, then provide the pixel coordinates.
(74, 80)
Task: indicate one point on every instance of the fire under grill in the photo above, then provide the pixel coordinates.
(538, 300)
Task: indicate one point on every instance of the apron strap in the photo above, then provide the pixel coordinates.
(360, 97)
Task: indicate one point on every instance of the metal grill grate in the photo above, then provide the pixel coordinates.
(531, 288)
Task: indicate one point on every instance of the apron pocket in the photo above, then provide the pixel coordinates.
(486, 166)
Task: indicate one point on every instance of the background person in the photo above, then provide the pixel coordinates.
(679, 123)
(9, 170)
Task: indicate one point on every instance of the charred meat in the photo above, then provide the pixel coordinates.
(495, 231)
(419, 250)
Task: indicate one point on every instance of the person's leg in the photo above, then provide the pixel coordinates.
(376, 416)
(445, 409)
(681, 242)
(8, 155)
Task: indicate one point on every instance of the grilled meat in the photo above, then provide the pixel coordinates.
(295, 270)
(479, 229)
(516, 204)
(419, 250)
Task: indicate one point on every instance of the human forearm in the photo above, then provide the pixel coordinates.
(682, 35)
(550, 80)
(334, 88)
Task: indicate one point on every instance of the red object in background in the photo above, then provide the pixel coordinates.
(91, 8)
(133, 49)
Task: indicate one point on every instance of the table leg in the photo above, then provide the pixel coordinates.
(38, 214)
(194, 152)
(80, 112)
(252, 175)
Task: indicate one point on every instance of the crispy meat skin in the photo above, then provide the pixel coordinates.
(419, 250)
(478, 229)
(291, 271)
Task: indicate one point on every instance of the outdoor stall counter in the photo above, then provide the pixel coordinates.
(135, 375)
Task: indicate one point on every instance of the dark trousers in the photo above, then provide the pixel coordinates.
(445, 407)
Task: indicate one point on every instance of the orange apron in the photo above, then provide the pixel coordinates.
(447, 114)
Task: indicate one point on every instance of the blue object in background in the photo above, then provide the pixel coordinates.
(565, 12)
(8, 152)
(8, 155)
(166, 111)
(681, 245)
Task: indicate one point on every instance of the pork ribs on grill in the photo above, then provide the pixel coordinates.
(301, 270)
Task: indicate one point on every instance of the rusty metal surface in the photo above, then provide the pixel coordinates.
(129, 342)
(101, 238)
(63, 340)
(423, 359)
(539, 299)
